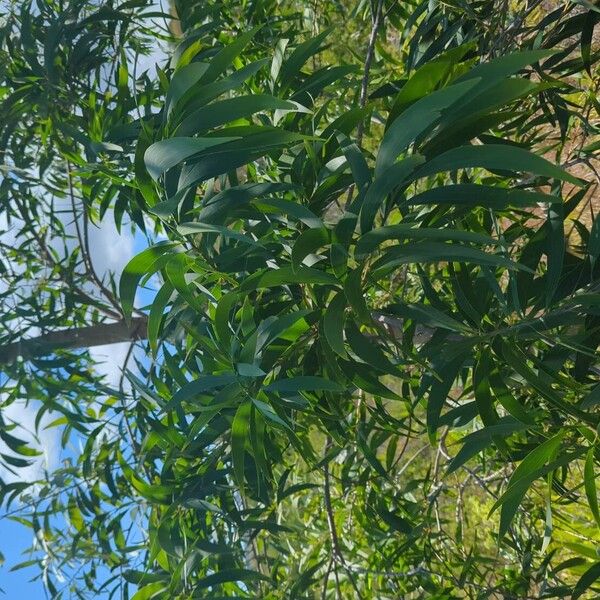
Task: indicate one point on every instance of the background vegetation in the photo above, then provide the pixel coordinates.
(366, 306)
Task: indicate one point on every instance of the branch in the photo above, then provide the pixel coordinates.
(82, 337)
(114, 333)
(377, 17)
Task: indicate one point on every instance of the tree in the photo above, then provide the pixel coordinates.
(374, 324)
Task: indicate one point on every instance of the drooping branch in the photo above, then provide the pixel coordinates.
(69, 339)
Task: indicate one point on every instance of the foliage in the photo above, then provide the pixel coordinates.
(371, 363)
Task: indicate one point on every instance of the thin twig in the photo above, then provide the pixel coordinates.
(84, 244)
(367, 68)
(337, 555)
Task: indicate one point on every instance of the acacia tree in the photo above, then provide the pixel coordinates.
(375, 323)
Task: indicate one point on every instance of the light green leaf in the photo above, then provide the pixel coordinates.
(589, 478)
(139, 266)
(523, 476)
(240, 428)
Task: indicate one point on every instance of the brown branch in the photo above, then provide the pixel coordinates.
(82, 337)
(114, 333)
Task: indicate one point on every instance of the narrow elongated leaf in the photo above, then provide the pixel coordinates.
(414, 121)
(223, 59)
(333, 323)
(304, 383)
(523, 476)
(293, 64)
(194, 228)
(231, 109)
(586, 580)
(442, 381)
(494, 156)
(394, 176)
(135, 269)
(589, 479)
(240, 429)
(424, 252)
(164, 155)
(199, 386)
(374, 238)
(470, 194)
(226, 575)
(503, 66)
(308, 242)
(475, 442)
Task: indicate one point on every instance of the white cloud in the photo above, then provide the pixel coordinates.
(45, 440)
(110, 250)
(110, 360)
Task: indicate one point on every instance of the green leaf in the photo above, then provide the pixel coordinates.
(470, 194)
(355, 297)
(240, 428)
(482, 389)
(394, 176)
(221, 205)
(308, 242)
(368, 351)
(17, 445)
(589, 479)
(304, 383)
(225, 57)
(231, 109)
(593, 247)
(287, 276)
(438, 252)
(183, 79)
(154, 492)
(586, 580)
(507, 400)
(293, 64)
(226, 575)
(135, 269)
(159, 304)
(442, 380)
(426, 314)
(523, 476)
(374, 238)
(221, 319)
(499, 68)
(358, 164)
(428, 77)
(246, 149)
(164, 155)
(475, 442)
(149, 591)
(333, 323)
(555, 251)
(369, 454)
(494, 156)
(199, 386)
(195, 228)
(414, 121)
